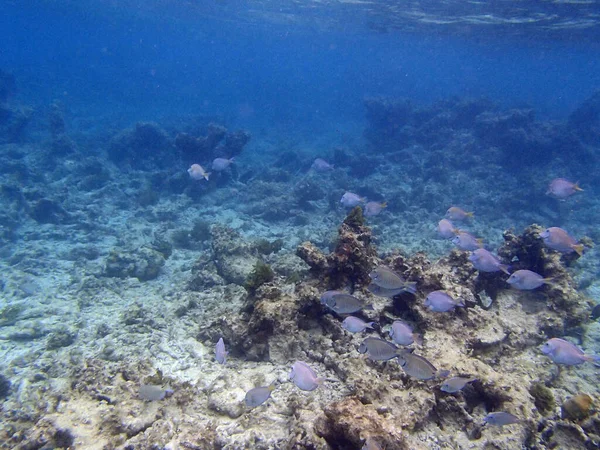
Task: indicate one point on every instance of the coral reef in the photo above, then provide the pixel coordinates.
(352, 259)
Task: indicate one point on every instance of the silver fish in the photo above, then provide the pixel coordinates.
(258, 395)
(220, 352)
(417, 367)
(388, 279)
(345, 304)
(500, 419)
(380, 350)
(410, 287)
(455, 384)
(355, 325)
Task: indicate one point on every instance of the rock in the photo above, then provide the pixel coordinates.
(144, 264)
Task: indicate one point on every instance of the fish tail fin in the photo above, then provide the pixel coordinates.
(578, 248)
(410, 286)
(505, 268)
(460, 302)
(232, 159)
(479, 242)
(271, 387)
(470, 214)
(369, 307)
(577, 188)
(594, 359)
(206, 175)
(383, 204)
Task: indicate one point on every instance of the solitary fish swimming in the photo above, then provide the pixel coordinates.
(220, 352)
(258, 395)
(564, 352)
(562, 188)
(304, 377)
(500, 419)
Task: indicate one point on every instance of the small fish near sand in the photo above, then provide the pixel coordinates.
(500, 419)
(527, 280)
(455, 384)
(220, 352)
(564, 352)
(561, 188)
(355, 325)
(441, 301)
(258, 395)
(390, 280)
(304, 377)
(379, 350)
(402, 334)
(344, 303)
(417, 367)
(197, 172)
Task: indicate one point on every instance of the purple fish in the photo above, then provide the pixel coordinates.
(355, 325)
(484, 261)
(220, 352)
(500, 419)
(257, 396)
(563, 352)
(526, 280)
(320, 165)
(441, 301)
(466, 241)
(558, 239)
(350, 200)
(402, 334)
(327, 296)
(304, 377)
(374, 208)
(446, 229)
(562, 189)
(220, 164)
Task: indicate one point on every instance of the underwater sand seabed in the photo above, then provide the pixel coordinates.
(119, 271)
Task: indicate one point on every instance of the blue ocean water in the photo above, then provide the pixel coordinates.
(123, 261)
